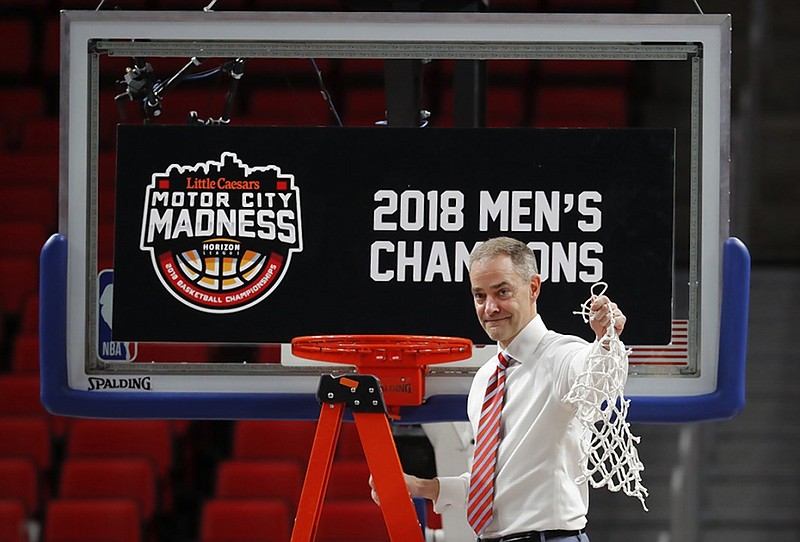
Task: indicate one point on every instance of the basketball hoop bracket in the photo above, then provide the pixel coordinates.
(360, 393)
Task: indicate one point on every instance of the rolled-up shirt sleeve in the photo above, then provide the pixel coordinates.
(575, 363)
(452, 493)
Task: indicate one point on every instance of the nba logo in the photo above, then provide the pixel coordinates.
(107, 349)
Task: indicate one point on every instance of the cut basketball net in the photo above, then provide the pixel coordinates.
(609, 450)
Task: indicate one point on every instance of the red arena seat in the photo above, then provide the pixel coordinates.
(252, 479)
(244, 520)
(20, 395)
(19, 280)
(151, 439)
(364, 522)
(133, 478)
(26, 436)
(25, 202)
(90, 520)
(349, 481)
(25, 353)
(19, 32)
(594, 107)
(29, 237)
(13, 521)
(273, 439)
(19, 480)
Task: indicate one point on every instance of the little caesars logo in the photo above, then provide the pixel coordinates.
(221, 234)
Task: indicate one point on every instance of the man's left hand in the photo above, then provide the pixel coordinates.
(600, 316)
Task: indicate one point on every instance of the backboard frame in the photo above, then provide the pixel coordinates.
(68, 272)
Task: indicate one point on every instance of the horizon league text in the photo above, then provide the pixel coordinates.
(510, 212)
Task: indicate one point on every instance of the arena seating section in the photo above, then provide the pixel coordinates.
(144, 481)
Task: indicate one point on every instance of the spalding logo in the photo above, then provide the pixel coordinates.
(221, 234)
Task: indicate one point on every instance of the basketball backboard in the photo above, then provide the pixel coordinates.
(369, 229)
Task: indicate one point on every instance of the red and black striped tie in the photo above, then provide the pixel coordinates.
(481, 487)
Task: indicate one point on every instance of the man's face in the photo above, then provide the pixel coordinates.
(504, 301)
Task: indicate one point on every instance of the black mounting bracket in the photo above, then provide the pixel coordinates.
(361, 393)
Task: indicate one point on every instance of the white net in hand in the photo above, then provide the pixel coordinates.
(609, 455)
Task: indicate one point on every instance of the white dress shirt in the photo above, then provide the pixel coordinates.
(539, 455)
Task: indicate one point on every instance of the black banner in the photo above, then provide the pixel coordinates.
(257, 234)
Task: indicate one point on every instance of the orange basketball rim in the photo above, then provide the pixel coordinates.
(398, 361)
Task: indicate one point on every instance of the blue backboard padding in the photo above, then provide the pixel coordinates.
(729, 397)
(725, 402)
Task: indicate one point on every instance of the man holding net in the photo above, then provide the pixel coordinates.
(527, 481)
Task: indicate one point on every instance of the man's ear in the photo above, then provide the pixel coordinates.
(536, 287)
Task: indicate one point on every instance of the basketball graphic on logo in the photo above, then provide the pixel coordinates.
(219, 267)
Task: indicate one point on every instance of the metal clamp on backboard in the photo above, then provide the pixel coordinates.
(360, 393)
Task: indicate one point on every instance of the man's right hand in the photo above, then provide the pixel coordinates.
(417, 487)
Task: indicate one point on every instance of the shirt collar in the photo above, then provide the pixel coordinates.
(524, 344)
